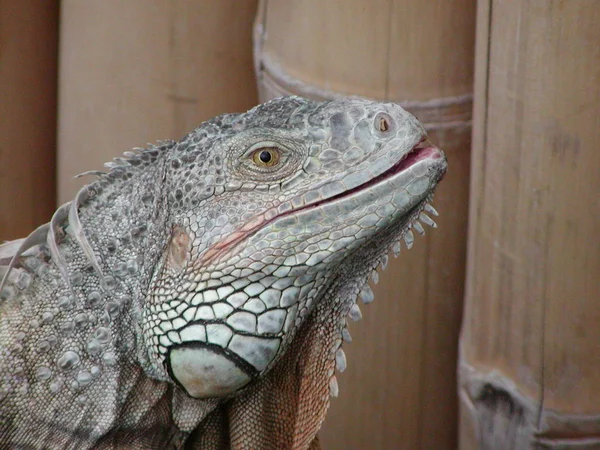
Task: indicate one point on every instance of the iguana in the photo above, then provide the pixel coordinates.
(196, 295)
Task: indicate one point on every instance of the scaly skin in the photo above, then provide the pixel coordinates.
(197, 294)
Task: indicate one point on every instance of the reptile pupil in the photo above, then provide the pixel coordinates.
(265, 156)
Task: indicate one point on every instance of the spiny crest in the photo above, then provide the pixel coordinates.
(52, 233)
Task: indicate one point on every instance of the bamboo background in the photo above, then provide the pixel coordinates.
(81, 81)
(28, 111)
(530, 344)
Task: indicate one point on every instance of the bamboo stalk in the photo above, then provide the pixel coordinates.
(28, 67)
(400, 389)
(136, 71)
(530, 344)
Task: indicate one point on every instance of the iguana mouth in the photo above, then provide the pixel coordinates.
(422, 150)
(418, 153)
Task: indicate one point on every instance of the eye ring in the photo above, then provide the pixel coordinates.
(266, 156)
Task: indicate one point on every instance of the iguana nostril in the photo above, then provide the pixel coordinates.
(383, 124)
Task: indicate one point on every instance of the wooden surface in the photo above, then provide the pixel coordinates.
(28, 67)
(530, 366)
(137, 71)
(399, 391)
(397, 49)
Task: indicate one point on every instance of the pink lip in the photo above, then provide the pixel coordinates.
(418, 153)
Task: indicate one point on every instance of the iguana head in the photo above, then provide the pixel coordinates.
(269, 212)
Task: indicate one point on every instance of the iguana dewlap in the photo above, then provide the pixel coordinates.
(196, 295)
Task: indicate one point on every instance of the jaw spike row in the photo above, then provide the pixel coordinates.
(430, 209)
(340, 360)
(409, 239)
(367, 296)
(346, 335)
(419, 228)
(427, 220)
(375, 277)
(355, 313)
(396, 249)
(384, 262)
(334, 389)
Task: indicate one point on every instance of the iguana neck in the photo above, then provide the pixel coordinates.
(125, 222)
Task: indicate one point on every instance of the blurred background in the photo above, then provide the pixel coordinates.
(487, 333)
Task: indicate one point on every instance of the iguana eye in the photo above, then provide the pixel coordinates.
(266, 156)
(267, 160)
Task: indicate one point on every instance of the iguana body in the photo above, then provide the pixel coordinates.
(196, 295)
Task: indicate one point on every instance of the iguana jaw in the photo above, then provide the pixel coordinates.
(186, 362)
